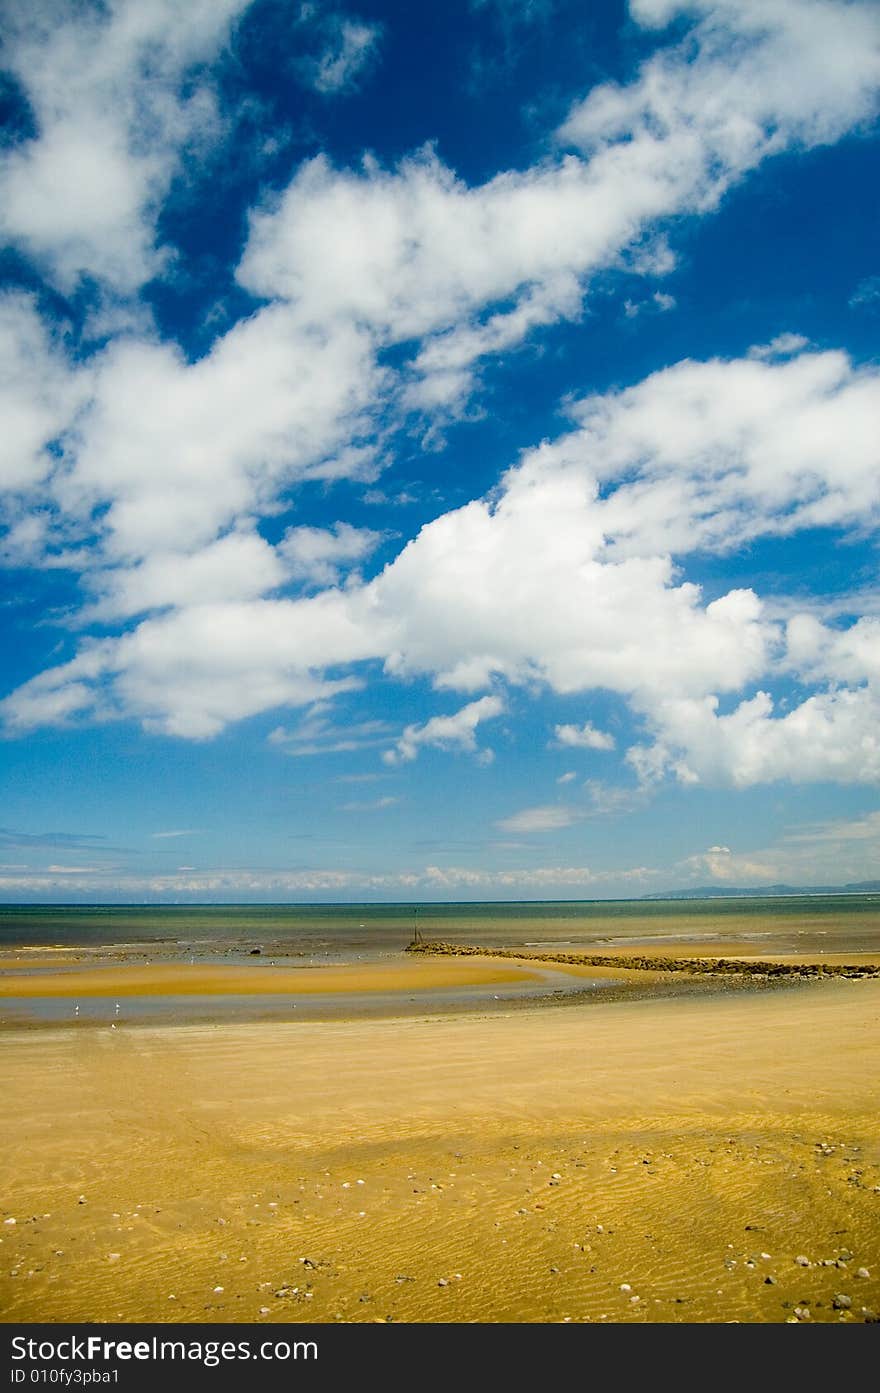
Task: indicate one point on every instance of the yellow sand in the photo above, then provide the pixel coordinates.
(201, 979)
(536, 1165)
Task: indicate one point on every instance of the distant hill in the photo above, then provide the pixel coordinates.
(718, 892)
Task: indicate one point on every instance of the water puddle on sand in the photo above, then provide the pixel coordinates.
(181, 1009)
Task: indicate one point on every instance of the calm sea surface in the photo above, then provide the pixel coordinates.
(847, 921)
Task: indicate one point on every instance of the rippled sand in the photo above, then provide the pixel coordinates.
(643, 1160)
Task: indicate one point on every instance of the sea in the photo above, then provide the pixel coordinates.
(845, 922)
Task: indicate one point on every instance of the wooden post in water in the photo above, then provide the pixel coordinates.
(417, 937)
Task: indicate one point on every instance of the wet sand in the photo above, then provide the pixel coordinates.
(709, 1158)
(205, 979)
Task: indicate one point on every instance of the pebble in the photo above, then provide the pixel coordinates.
(9, 1221)
(264, 1310)
(770, 1281)
(863, 1272)
(625, 1286)
(802, 1261)
(443, 1282)
(841, 1302)
(217, 1291)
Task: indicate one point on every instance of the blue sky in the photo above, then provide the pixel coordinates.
(441, 448)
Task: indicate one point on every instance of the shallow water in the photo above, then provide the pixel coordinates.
(327, 930)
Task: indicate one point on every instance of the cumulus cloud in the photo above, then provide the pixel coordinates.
(193, 671)
(455, 732)
(564, 576)
(416, 252)
(39, 393)
(239, 566)
(173, 453)
(118, 95)
(708, 455)
(585, 737)
(567, 574)
(832, 736)
(320, 555)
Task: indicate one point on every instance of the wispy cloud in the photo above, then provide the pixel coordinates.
(542, 819)
(318, 734)
(866, 294)
(585, 737)
(376, 805)
(350, 49)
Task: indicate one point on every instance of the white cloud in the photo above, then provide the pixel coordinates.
(268, 406)
(191, 672)
(118, 95)
(565, 575)
(377, 805)
(548, 818)
(416, 252)
(240, 566)
(457, 731)
(554, 579)
(263, 884)
(708, 109)
(316, 734)
(707, 455)
(319, 555)
(783, 346)
(829, 853)
(515, 589)
(39, 393)
(567, 778)
(832, 736)
(859, 829)
(348, 53)
(866, 293)
(585, 737)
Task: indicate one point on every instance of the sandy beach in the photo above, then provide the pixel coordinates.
(707, 1157)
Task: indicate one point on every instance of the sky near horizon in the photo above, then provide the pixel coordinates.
(440, 451)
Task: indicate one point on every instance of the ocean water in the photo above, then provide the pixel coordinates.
(835, 922)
